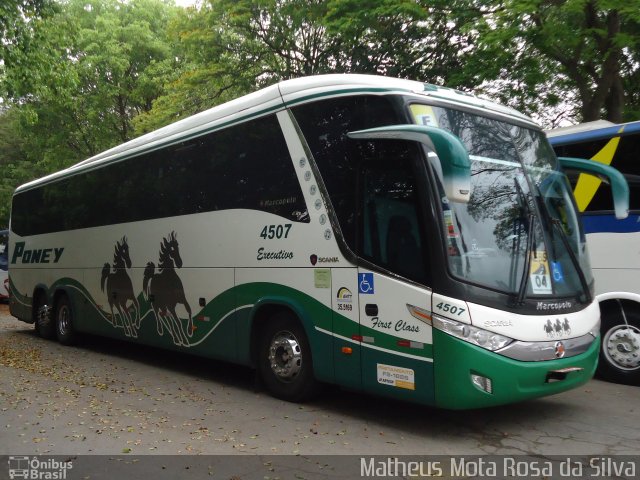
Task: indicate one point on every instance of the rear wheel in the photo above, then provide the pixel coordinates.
(42, 316)
(620, 352)
(284, 359)
(64, 321)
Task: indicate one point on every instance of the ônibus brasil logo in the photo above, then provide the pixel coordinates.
(36, 468)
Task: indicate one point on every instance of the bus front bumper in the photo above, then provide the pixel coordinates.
(467, 376)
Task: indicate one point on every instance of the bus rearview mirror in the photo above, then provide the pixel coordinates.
(619, 185)
(454, 158)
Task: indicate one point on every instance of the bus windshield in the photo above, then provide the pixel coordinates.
(520, 232)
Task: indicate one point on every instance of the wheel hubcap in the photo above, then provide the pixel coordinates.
(43, 315)
(285, 355)
(63, 320)
(622, 347)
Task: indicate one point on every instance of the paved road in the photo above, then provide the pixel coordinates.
(111, 397)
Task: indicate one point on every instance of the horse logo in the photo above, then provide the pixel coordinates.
(548, 327)
(119, 290)
(164, 291)
(558, 327)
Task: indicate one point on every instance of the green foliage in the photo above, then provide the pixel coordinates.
(232, 47)
(581, 51)
(425, 39)
(87, 71)
(16, 20)
(14, 164)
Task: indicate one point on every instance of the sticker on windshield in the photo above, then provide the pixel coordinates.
(556, 271)
(540, 275)
(424, 115)
(448, 222)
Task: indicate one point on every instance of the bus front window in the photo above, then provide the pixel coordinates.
(515, 233)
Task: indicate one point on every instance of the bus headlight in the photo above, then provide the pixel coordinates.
(474, 335)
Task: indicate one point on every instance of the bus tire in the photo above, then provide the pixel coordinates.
(620, 351)
(284, 358)
(44, 325)
(64, 321)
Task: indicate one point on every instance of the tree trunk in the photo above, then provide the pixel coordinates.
(615, 101)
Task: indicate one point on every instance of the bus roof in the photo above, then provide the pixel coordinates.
(589, 131)
(278, 96)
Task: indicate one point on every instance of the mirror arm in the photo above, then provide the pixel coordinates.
(454, 158)
(619, 185)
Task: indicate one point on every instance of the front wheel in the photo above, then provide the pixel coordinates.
(620, 352)
(284, 359)
(64, 321)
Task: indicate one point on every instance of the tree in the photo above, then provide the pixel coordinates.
(14, 164)
(550, 51)
(87, 79)
(424, 39)
(232, 47)
(89, 71)
(16, 19)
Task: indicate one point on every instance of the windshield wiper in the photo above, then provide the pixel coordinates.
(524, 280)
(576, 263)
(563, 236)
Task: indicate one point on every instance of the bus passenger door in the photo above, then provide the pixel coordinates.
(395, 323)
(396, 355)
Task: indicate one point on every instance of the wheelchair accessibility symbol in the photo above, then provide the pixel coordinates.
(556, 270)
(365, 283)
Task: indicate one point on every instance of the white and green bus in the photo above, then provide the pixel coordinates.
(384, 235)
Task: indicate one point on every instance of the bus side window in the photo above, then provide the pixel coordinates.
(244, 166)
(325, 125)
(390, 231)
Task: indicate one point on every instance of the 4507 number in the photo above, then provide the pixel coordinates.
(452, 309)
(275, 231)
